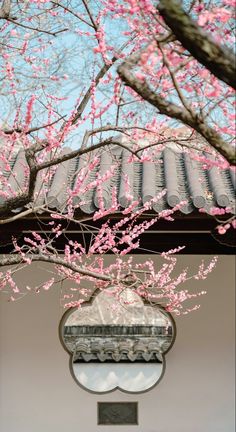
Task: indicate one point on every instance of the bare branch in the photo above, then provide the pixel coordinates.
(82, 151)
(116, 128)
(90, 14)
(20, 215)
(72, 13)
(39, 30)
(178, 141)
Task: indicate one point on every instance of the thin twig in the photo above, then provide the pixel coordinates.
(34, 129)
(72, 13)
(39, 30)
(21, 215)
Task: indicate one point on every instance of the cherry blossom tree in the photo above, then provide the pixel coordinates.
(78, 73)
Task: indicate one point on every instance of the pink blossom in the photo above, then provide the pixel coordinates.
(233, 223)
(13, 32)
(221, 229)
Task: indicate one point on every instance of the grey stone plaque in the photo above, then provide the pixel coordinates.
(117, 413)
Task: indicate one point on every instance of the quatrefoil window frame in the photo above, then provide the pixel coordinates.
(89, 303)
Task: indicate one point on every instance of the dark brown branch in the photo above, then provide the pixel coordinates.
(39, 30)
(18, 259)
(87, 95)
(90, 15)
(25, 198)
(219, 60)
(13, 203)
(81, 152)
(21, 215)
(172, 110)
(72, 13)
(33, 129)
(5, 9)
(99, 76)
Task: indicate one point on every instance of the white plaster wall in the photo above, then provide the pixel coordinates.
(38, 394)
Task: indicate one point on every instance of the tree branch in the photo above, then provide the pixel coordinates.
(25, 198)
(99, 76)
(5, 9)
(18, 259)
(90, 15)
(72, 13)
(33, 129)
(195, 121)
(220, 61)
(39, 30)
(20, 215)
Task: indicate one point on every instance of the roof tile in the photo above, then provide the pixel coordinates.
(184, 178)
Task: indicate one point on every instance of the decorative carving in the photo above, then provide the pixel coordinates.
(117, 413)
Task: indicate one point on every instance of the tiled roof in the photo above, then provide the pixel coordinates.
(116, 350)
(118, 343)
(184, 179)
